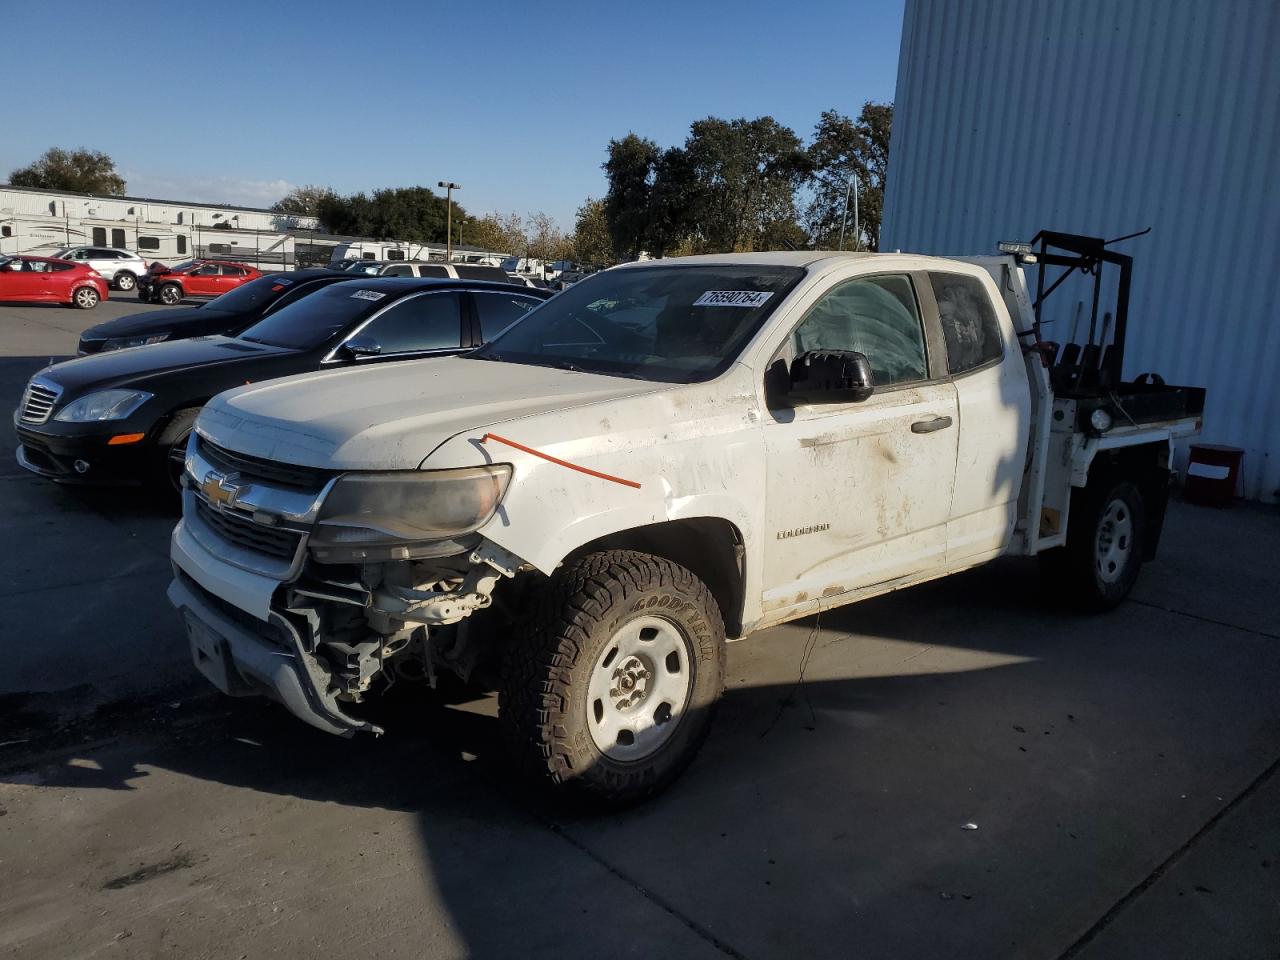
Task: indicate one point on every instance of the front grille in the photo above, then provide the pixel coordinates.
(267, 471)
(241, 531)
(37, 402)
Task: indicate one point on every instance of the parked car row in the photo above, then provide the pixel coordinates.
(121, 413)
(435, 268)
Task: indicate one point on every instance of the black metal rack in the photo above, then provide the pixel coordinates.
(1093, 373)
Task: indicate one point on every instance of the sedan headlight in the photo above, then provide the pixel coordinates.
(119, 343)
(370, 517)
(103, 405)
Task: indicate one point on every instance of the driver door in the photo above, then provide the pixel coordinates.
(859, 494)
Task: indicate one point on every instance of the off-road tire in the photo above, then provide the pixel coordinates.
(546, 670)
(124, 281)
(1073, 573)
(170, 294)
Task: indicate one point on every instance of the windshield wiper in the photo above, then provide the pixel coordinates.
(565, 365)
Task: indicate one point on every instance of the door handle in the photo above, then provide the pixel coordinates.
(929, 426)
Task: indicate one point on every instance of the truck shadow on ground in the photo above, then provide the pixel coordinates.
(826, 785)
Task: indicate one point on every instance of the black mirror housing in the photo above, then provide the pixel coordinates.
(831, 376)
(361, 345)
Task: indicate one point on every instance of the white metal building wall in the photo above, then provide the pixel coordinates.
(1103, 117)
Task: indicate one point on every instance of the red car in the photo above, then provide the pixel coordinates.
(194, 279)
(49, 280)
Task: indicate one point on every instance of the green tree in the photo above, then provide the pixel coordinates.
(630, 169)
(592, 244)
(302, 201)
(400, 213)
(843, 149)
(80, 171)
(546, 240)
(744, 175)
(500, 233)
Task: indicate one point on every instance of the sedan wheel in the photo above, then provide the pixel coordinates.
(125, 281)
(170, 294)
(86, 298)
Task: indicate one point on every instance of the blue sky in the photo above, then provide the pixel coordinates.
(236, 101)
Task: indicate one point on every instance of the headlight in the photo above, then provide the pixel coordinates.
(369, 517)
(119, 343)
(1100, 420)
(104, 405)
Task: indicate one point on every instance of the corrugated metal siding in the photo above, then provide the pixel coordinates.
(1103, 118)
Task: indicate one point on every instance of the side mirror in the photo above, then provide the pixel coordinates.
(361, 345)
(831, 376)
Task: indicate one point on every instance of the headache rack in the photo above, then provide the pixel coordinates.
(1091, 372)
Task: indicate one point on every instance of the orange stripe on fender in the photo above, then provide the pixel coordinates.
(556, 460)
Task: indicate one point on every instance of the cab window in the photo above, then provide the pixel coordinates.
(969, 323)
(431, 321)
(876, 316)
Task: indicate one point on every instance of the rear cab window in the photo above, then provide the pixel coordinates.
(969, 323)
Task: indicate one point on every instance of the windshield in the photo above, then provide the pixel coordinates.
(254, 295)
(176, 268)
(311, 321)
(676, 324)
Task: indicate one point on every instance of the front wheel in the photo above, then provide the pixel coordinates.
(1105, 541)
(86, 298)
(171, 294)
(610, 689)
(171, 445)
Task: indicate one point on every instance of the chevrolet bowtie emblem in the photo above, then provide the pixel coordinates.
(220, 489)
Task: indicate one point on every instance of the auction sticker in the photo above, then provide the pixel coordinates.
(367, 295)
(733, 298)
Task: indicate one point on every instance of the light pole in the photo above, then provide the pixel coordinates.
(850, 185)
(449, 186)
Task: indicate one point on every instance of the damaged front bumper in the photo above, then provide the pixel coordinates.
(241, 661)
(316, 647)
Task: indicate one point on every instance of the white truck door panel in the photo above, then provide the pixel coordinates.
(854, 496)
(859, 494)
(986, 364)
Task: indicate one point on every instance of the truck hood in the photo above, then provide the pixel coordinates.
(390, 416)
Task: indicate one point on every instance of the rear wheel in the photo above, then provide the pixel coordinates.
(85, 298)
(171, 294)
(125, 281)
(1103, 555)
(610, 690)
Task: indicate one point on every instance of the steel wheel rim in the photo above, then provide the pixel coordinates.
(1114, 542)
(639, 689)
(86, 297)
(170, 295)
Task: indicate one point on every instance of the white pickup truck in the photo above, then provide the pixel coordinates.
(666, 456)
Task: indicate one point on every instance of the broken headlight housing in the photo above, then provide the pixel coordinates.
(404, 515)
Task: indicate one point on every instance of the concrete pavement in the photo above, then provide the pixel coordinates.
(1120, 770)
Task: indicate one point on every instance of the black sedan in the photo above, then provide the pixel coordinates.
(228, 314)
(124, 416)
